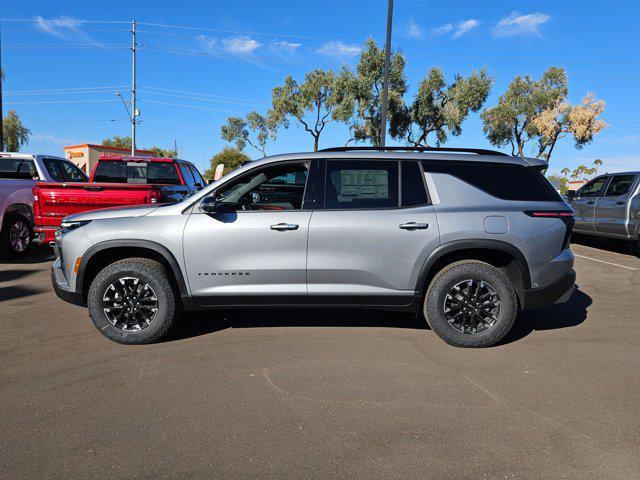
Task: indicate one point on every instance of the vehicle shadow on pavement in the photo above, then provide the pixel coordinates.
(36, 255)
(194, 324)
(564, 315)
(10, 292)
(610, 244)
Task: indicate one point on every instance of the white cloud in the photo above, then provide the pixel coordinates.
(464, 27)
(516, 24)
(414, 30)
(208, 44)
(286, 46)
(241, 45)
(441, 30)
(48, 137)
(339, 50)
(67, 28)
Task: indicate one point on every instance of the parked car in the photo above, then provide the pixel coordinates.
(115, 181)
(609, 206)
(19, 173)
(467, 238)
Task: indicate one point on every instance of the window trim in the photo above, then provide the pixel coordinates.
(307, 162)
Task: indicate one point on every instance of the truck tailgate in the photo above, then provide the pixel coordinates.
(54, 201)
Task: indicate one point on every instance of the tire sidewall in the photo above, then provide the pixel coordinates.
(162, 289)
(444, 282)
(7, 224)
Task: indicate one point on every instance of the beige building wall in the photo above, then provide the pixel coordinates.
(86, 155)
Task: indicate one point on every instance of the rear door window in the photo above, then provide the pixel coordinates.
(620, 185)
(361, 184)
(187, 176)
(71, 172)
(413, 187)
(54, 169)
(197, 177)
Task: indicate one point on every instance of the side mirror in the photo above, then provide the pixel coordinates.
(212, 206)
(198, 186)
(571, 194)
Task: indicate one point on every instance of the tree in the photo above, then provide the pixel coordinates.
(15, 134)
(582, 172)
(255, 130)
(164, 153)
(117, 142)
(440, 108)
(538, 110)
(231, 158)
(313, 103)
(362, 91)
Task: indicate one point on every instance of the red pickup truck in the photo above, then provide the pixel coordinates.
(115, 181)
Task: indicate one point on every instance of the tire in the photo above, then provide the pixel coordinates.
(441, 307)
(16, 235)
(116, 282)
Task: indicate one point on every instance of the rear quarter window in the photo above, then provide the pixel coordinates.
(502, 180)
(163, 173)
(17, 169)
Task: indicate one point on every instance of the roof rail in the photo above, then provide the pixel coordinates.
(477, 151)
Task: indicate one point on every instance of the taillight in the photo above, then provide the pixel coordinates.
(36, 203)
(155, 195)
(565, 215)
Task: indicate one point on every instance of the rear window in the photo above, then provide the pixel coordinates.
(502, 180)
(163, 173)
(17, 168)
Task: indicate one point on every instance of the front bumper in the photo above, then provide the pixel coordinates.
(62, 289)
(558, 292)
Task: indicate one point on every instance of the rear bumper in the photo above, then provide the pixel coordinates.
(44, 235)
(558, 292)
(60, 286)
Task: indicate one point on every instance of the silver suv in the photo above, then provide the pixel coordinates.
(467, 237)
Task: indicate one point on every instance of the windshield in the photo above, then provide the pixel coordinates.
(163, 173)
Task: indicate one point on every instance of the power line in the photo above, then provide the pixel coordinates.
(59, 101)
(195, 107)
(62, 20)
(64, 90)
(80, 121)
(65, 45)
(203, 98)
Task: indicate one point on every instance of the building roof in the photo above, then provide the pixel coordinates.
(106, 147)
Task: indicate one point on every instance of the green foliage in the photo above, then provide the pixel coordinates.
(164, 153)
(362, 91)
(582, 172)
(561, 180)
(538, 110)
(231, 158)
(15, 134)
(117, 141)
(255, 130)
(313, 103)
(441, 108)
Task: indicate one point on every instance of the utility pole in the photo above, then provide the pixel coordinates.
(134, 112)
(1, 116)
(385, 83)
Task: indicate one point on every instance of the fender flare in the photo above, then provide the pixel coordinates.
(473, 244)
(136, 243)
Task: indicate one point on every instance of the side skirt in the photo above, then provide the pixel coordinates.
(403, 303)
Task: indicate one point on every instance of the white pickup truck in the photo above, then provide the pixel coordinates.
(18, 174)
(609, 206)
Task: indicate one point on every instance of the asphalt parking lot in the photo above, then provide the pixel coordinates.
(324, 394)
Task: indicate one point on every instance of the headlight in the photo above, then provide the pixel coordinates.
(70, 225)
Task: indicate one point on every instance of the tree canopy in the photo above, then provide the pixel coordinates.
(231, 158)
(539, 111)
(255, 130)
(313, 103)
(15, 134)
(117, 142)
(440, 108)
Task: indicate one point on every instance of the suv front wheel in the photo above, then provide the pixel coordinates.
(471, 304)
(131, 301)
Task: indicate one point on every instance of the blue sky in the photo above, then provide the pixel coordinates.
(61, 76)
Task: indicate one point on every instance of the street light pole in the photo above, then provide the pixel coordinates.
(385, 83)
(134, 112)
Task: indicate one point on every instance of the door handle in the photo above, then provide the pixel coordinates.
(414, 226)
(620, 202)
(590, 202)
(281, 227)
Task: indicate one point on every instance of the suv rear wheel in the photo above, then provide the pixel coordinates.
(15, 238)
(471, 304)
(131, 301)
